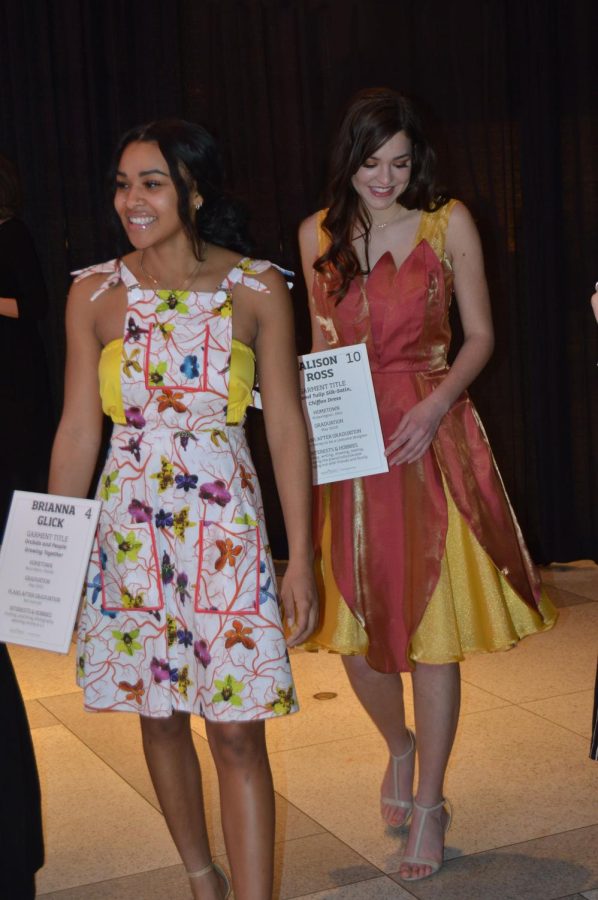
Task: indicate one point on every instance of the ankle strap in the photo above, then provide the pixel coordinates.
(429, 808)
(200, 872)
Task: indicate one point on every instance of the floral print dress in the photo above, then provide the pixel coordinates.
(180, 609)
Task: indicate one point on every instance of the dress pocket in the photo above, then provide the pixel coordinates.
(176, 359)
(130, 567)
(228, 569)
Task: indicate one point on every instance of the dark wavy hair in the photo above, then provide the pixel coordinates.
(372, 117)
(193, 160)
(10, 189)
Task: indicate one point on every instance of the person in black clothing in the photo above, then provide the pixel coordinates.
(594, 739)
(23, 389)
(24, 396)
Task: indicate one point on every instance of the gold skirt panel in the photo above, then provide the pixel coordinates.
(473, 609)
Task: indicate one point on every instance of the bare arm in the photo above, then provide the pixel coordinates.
(419, 425)
(78, 437)
(309, 247)
(287, 440)
(9, 307)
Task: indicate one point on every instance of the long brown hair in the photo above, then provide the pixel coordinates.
(372, 117)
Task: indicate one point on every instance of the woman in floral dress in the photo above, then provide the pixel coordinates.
(181, 614)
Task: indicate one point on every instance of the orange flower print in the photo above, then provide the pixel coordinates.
(247, 479)
(239, 635)
(135, 691)
(228, 554)
(171, 399)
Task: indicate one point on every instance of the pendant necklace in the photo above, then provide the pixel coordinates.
(382, 225)
(187, 280)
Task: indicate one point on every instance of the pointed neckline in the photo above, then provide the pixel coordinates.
(417, 241)
(397, 269)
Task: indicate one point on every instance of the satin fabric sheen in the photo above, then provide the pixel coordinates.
(389, 548)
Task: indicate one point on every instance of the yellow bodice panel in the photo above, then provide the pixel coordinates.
(242, 375)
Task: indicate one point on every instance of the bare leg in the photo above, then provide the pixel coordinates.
(246, 803)
(437, 695)
(381, 696)
(176, 776)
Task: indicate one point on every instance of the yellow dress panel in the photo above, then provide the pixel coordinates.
(242, 376)
(455, 623)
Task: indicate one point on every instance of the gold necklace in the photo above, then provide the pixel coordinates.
(187, 280)
(384, 224)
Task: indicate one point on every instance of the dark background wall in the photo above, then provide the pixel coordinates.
(508, 90)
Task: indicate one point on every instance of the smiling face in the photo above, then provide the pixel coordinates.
(145, 197)
(383, 176)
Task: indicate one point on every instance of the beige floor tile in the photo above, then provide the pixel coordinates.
(114, 737)
(579, 579)
(572, 711)
(374, 889)
(38, 715)
(96, 826)
(513, 777)
(552, 867)
(562, 598)
(42, 673)
(157, 884)
(339, 788)
(560, 661)
(516, 777)
(317, 863)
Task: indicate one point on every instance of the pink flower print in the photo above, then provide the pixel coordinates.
(201, 651)
(182, 582)
(134, 331)
(215, 492)
(133, 446)
(135, 417)
(140, 512)
(160, 670)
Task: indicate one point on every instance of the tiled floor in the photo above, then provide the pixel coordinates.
(525, 794)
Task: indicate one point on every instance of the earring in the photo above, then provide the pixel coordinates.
(199, 205)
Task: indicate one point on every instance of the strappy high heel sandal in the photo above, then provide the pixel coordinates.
(213, 867)
(395, 800)
(416, 859)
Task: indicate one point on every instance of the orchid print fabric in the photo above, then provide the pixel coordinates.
(180, 610)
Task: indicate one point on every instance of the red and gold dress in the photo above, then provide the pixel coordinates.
(425, 563)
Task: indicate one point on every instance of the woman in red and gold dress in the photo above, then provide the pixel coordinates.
(424, 564)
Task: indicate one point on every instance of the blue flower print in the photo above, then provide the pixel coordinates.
(95, 586)
(186, 482)
(189, 367)
(185, 637)
(265, 593)
(164, 519)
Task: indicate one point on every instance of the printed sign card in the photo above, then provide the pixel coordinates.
(43, 562)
